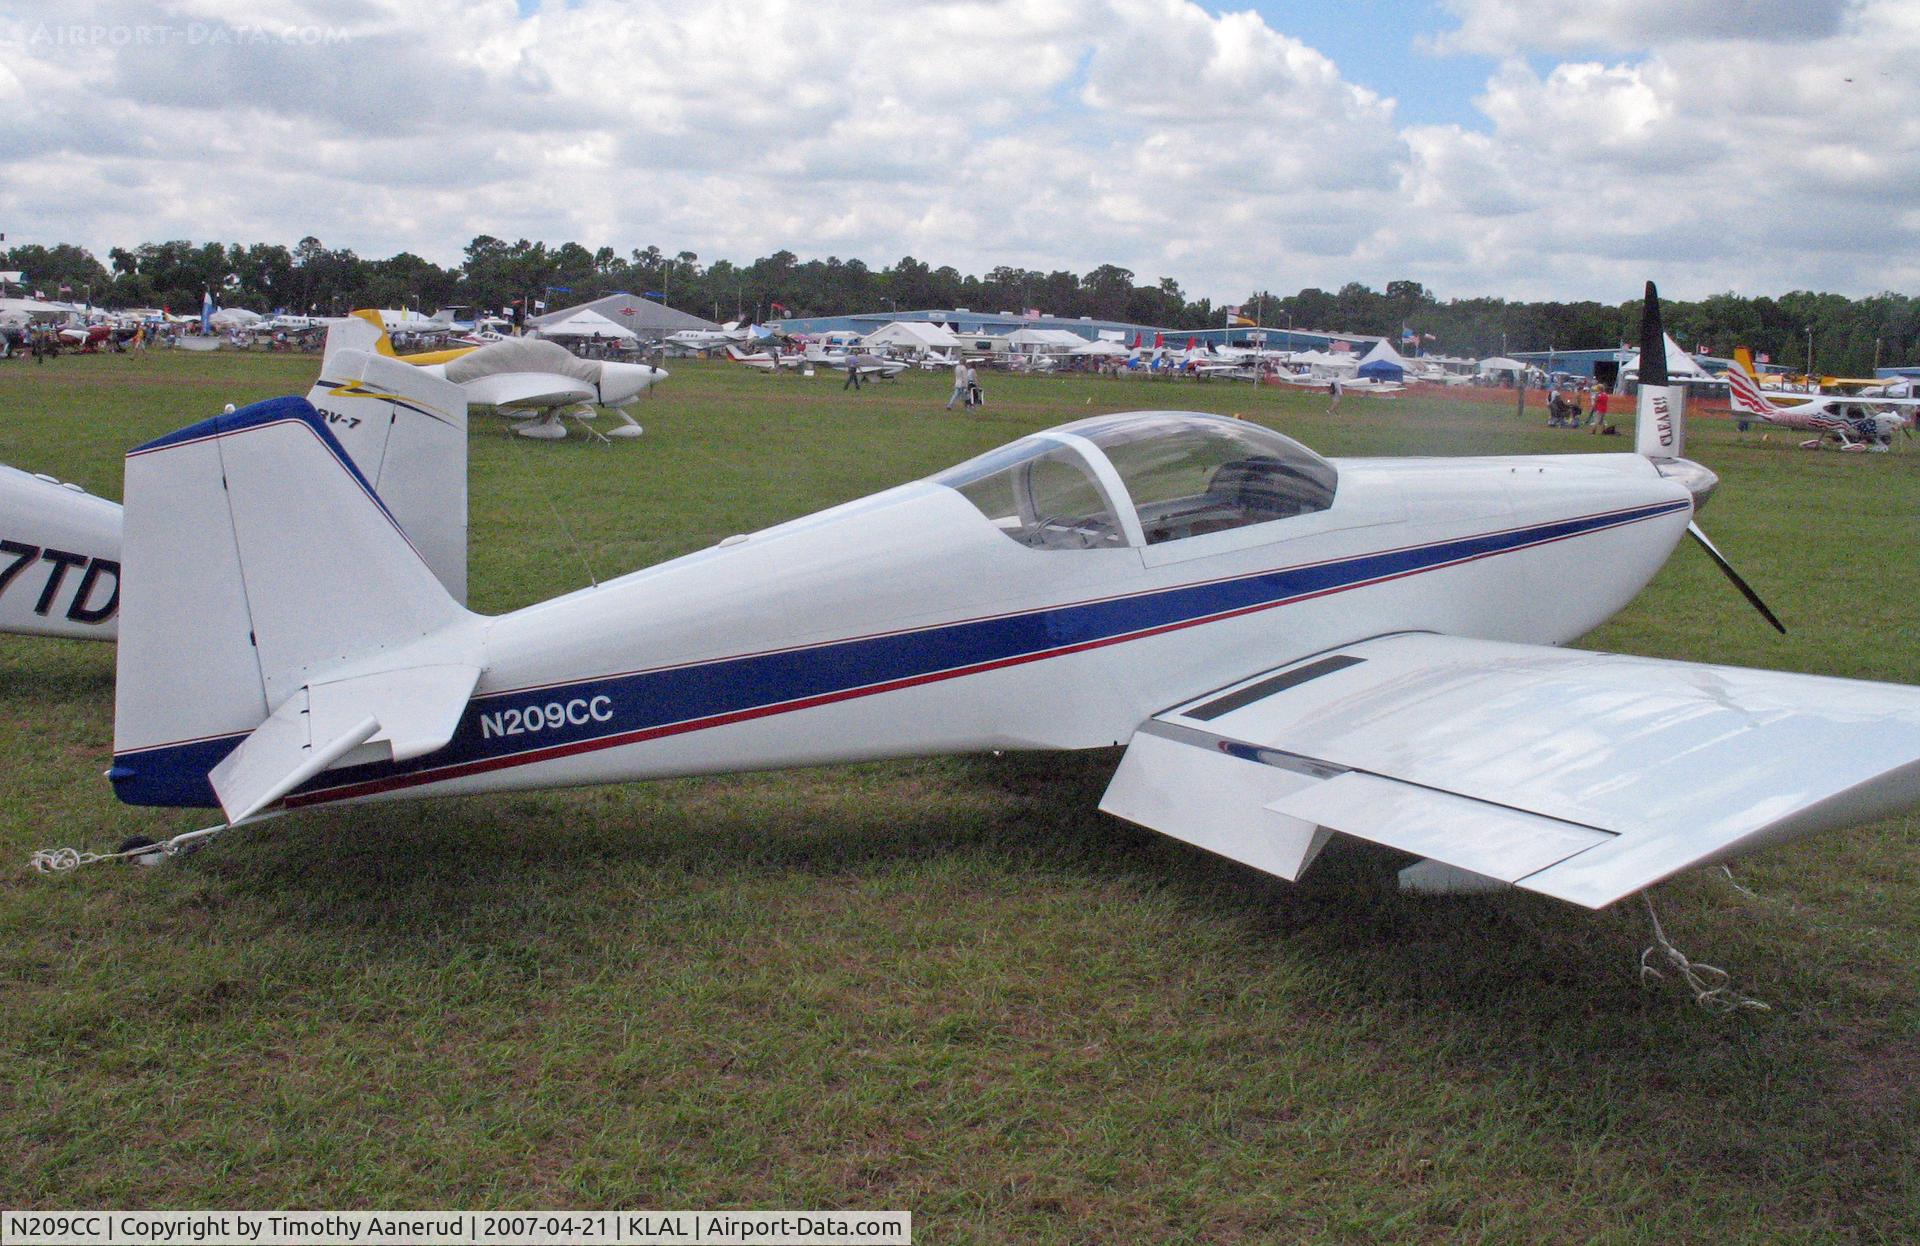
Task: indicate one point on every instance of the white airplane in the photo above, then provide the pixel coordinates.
(868, 365)
(1290, 646)
(764, 360)
(405, 322)
(59, 559)
(707, 339)
(529, 380)
(403, 431)
(1856, 424)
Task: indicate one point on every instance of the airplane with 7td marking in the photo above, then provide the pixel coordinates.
(1290, 646)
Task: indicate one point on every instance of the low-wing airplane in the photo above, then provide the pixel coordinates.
(868, 365)
(707, 339)
(1856, 424)
(1290, 646)
(59, 559)
(402, 430)
(529, 380)
(763, 359)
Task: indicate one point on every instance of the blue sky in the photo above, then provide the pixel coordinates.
(1374, 42)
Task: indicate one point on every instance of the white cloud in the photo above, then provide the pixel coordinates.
(1042, 133)
(1506, 27)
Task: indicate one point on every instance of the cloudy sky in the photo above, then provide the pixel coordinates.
(1525, 148)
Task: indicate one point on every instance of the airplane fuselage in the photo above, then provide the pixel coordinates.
(907, 624)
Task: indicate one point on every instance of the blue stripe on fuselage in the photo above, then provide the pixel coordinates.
(495, 726)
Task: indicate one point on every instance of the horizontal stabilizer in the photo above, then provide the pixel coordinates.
(1583, 776)
(278, 757)
(401, 713)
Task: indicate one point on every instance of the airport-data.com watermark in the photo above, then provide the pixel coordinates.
(183, 35)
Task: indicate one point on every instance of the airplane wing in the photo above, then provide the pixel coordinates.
(526, 390)
(1584, 776)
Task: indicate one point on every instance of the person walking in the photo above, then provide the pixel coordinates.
(961, 393)
(1334, 389)
(974, 397)
(853, 375)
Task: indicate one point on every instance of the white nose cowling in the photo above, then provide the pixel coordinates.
(621, 383)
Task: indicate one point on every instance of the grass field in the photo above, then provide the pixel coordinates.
(945, 985)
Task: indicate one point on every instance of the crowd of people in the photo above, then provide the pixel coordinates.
(1565, 408)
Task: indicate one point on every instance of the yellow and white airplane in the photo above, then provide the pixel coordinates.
(530, 381)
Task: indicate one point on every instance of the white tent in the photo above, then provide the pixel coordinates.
(586, 324)
(1105, 346)
(233, 318)
(1031, 341)
(1499, 363)
(1323, 364)
(911, 336)
(1679, 362)
(1383, 362)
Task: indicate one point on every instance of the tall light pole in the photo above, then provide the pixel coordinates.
(1809, 354)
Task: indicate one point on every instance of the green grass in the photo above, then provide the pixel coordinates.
(947, 985)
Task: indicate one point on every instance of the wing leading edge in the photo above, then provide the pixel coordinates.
(1584, 776)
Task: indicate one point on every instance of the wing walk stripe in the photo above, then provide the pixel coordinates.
(1267, 687)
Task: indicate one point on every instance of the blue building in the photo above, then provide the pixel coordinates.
(964, 322)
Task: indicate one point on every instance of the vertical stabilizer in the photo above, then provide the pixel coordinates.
(259, 563)
(406, 430)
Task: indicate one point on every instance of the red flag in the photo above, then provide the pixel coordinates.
(777, 306)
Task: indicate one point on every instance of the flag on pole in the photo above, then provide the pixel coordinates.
(1031, 313)
(779, 307)
(1238, 318)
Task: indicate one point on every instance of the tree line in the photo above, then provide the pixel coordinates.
(1848, 335)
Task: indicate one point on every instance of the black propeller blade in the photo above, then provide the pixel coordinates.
(1726, 568)
(1653, 341)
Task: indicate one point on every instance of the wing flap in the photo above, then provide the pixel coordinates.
(1214, 801)
(1502, 843)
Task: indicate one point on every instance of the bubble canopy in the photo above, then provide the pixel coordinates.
(1142, 478)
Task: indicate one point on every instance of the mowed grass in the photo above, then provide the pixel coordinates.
(948, 985)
